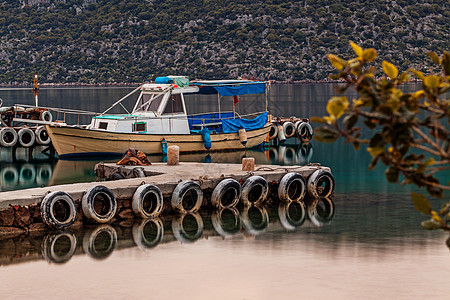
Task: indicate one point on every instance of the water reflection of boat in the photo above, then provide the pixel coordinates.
(99, 242)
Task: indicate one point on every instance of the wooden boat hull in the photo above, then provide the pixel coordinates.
(74, 141)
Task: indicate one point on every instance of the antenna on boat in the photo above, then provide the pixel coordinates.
(36, 90)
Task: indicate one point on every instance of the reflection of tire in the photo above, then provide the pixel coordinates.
(148, 233)
(255, 219)
(147, 201)
(42, 137)
(46, 116)
(305, 132)
(99, 204)
(292, 214)
(58, 210)
(320, 184)
(59, 248)
(288, 129)
(27, 173)
(226, 194)
(100, 242)
(10, 175)
(26, 137)
(187, 228)
(226, 221)
(187, 197)
(292, 187)
(321, 211)
(8, 137)
(43, 174)
(304, 154)
(254, 190)
(273, 155)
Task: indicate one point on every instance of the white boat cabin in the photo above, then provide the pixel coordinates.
(159, 109)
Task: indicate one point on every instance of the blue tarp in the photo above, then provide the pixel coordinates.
(208, 118)
(245, 89)
(233, 125)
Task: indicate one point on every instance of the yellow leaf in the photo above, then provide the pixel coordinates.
(431, 81)
(330, 120)
(369, 54)
(375, 151)
(358, 50)
(358, 102)
(336, 106)
(434, 57)
(336, 61)
(418, 74)
(419, 94)
(390, 70)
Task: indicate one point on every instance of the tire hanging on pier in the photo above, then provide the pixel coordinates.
(320, 184)
(26, 137)
(99, 204)
(42, 137)
(187, 197)
(288, 129)
(254, 190)
(8, 137)
(292, 187)
(226, 194)
(147, 201)
(273, 132)
(305, 132)
(58, 210)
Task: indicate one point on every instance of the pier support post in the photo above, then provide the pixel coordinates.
(173, 155)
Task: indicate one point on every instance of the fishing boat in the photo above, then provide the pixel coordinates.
(159, 119)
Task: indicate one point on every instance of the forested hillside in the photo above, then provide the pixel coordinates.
(95, 41)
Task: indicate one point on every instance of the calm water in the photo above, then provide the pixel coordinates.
(366, 243)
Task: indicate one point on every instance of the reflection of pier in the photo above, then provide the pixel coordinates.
(99, 242)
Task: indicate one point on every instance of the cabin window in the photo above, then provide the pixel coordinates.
(103, 125)
(139, 126)
(174, 104)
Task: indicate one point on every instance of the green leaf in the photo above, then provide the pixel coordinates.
(325, 134)
(431, 81)
(336, 106)
(336, 61)
(434, 57)
(350, 121)
(392, 174)
(421, 203)
(369, 55)
(358, 50)
(389, 69)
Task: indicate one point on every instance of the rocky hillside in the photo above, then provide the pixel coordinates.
(95, 41)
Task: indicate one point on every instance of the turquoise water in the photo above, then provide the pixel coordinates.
(367, 243)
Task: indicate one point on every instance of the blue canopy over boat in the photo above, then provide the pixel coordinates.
(230, 87)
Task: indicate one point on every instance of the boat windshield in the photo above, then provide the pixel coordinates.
(149, 102)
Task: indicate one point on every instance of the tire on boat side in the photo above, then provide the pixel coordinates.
(8, 137)
(147, 201)
(42, 137)
(288, 129)
(148, 233)
(26, 137)
(226, 194)
(254, 190)
(59, 248)
(187, 197)
(273, 132)
(320, 184)
(46, 116)
(305, 132)
(99, 204)
(292, 187)
(58, 210)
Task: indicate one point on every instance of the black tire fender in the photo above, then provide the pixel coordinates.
(8, 137)
(46, 116)
(187, 197)
(66, 203)
(292, 187)
(147, 201)
(273, 132)
(148, 233)
(288, 129)
(254, 190)
(42, 137)
(103, 194)
(315, 181)
(226, 194)
(305, 132)
(26, 137)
